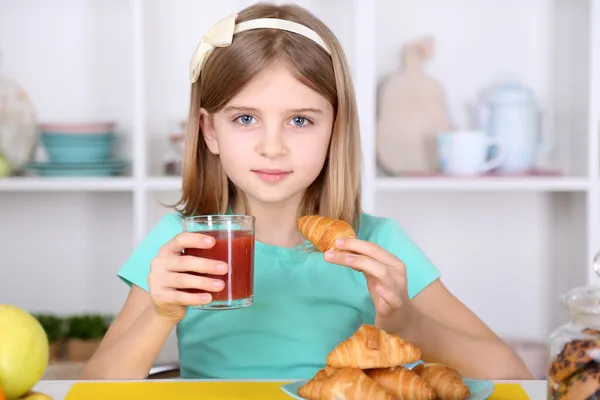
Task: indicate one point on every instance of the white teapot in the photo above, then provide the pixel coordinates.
(511, 114)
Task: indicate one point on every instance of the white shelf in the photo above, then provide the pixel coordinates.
(388, 184)
(35, 184)
(492, 184)
(168, 183)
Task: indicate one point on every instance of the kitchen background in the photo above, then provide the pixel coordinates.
(509, 240)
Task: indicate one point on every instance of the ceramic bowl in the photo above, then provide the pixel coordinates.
(75, 148)
(97, 128)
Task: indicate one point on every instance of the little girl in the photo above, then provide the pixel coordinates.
(273, 132)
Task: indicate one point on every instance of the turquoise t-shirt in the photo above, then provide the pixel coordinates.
(303, 306)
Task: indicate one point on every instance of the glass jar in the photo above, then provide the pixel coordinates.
(574, 348)
(173, 158)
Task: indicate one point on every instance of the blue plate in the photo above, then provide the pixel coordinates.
(480, 390)
(108, 168)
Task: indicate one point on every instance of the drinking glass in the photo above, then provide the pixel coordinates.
(234, 245)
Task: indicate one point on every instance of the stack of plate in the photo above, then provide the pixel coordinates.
(78, 150)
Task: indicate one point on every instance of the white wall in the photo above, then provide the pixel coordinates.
(508, 270)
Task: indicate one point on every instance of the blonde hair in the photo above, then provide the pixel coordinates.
(336, 192)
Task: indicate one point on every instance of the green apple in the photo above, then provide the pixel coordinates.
(4, 166)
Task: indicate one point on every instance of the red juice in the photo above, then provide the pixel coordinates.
(236, 248)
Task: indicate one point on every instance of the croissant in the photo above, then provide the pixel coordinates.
(444, 380)
(344, 384)
(370, 347)
(324, 231)
(325, 372)
(401, 382)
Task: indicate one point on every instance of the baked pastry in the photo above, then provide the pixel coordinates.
(370, 347)
(344, 384)
(324, 231)
(445, 381)
(573, 357)
(326, 371)
(403, 383)
(583, 385)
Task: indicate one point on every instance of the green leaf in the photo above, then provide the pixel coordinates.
(88, 327)
(54, 326)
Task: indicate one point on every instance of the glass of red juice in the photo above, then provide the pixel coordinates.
(234, 245)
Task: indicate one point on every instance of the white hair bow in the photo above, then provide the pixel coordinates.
(221, 35)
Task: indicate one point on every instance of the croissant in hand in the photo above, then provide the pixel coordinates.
(445, 381)
(323, 231)
(343, 384)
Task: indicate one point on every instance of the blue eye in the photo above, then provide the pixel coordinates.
(300, 122)
(245, 119)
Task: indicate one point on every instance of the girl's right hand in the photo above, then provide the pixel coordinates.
(169, 277)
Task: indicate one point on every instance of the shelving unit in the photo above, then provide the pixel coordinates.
(127, 60)
(540, 185)
(34, 184)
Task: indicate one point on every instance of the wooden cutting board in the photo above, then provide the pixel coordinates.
(412, 111)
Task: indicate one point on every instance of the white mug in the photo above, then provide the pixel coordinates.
(466, 152)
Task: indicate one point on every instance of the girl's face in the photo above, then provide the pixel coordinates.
(272, 137)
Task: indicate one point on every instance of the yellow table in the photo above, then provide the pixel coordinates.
(225, 390)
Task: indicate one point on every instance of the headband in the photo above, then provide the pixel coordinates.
(221, 35)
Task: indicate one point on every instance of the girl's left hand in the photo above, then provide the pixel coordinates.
(386, 281)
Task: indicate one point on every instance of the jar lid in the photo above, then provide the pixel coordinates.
(583, 300)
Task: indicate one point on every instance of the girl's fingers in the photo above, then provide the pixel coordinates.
(358, 262)
(368, 249)
(186, 240)
(391, 281)
(188, 299)
(389, 276)
(196, 264)
(183, 280)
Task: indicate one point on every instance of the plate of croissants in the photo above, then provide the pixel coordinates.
(375, 365)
